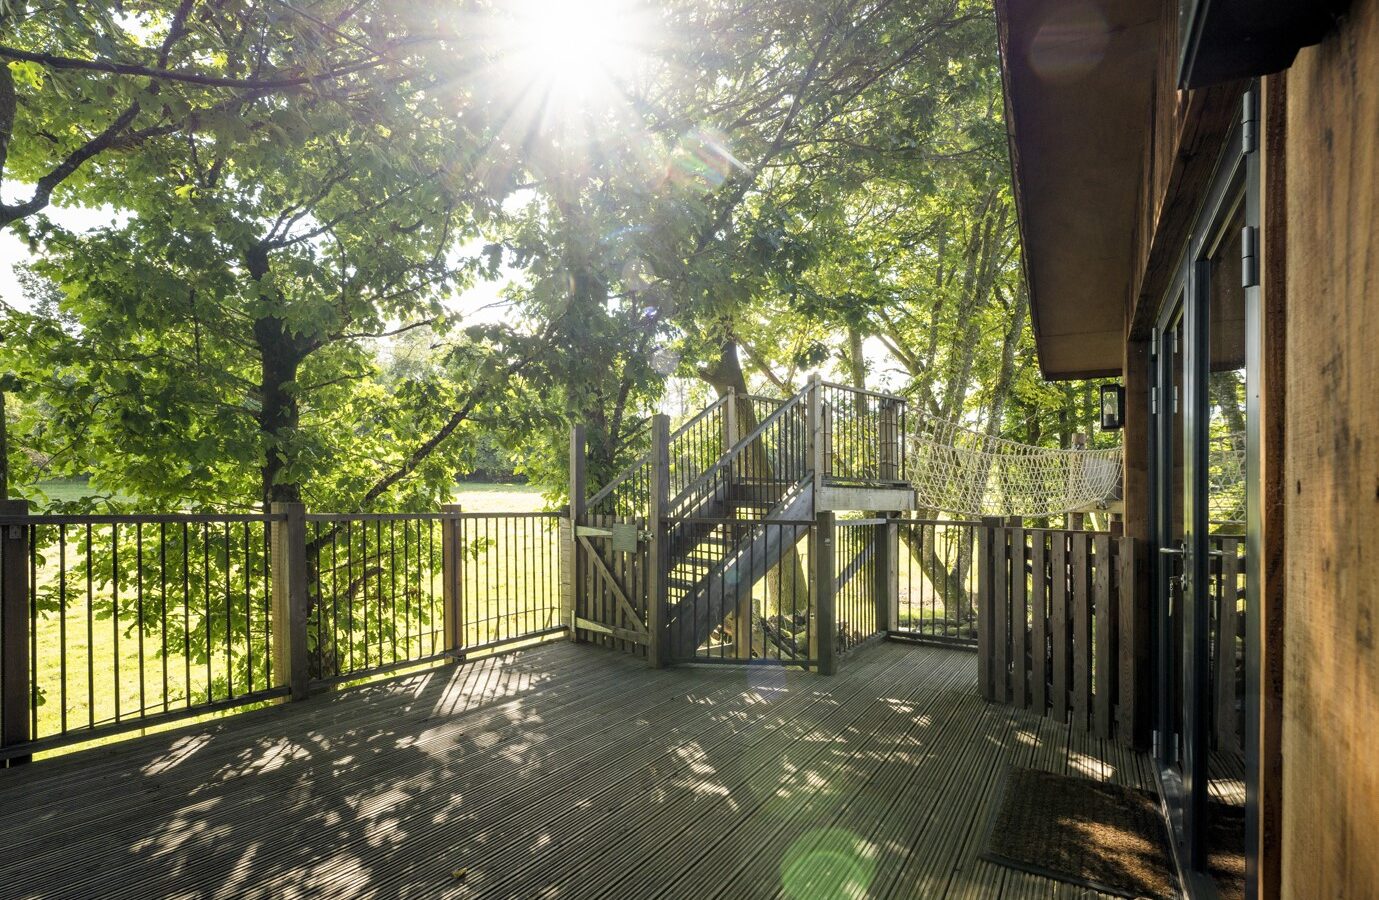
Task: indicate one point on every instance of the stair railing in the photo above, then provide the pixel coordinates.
(694, 447)
(770, 458)
(863, 435)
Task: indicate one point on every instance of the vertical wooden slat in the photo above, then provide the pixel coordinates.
(1082, 632)
(1039, 611)
(14, 627)
(566, 533)
(290, 598)
(1227, 719)
(1059, 644)
(986, 609)
(1000, 666)
(1104, 669)
(1019, 619)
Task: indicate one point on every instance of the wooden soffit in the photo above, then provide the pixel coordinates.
(1078, 81)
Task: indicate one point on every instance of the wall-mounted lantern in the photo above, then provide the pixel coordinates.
(1112, 407)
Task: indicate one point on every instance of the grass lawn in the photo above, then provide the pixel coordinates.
(487, 498)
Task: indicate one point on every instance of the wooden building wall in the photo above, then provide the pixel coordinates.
(1330, 729)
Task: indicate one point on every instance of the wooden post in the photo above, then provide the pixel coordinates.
(655, 557)
(14, 626)
(452, 578)
(742, 615)
(891, 571)
(816, 433)
(888, 577)
(290, 598)
(826, 619)
(986, 606)
(578, 509)
(889, 424)
(567, 573)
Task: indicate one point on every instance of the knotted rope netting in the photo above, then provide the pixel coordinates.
(964, 472)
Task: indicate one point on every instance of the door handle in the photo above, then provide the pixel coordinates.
(1179, 550)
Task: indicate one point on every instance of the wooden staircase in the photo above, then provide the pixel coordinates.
(722, 508)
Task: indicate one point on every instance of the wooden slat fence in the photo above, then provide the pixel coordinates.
(1055, 627)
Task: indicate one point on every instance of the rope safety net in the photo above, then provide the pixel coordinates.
(965, 472)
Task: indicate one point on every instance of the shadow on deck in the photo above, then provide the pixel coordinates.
(561, 771)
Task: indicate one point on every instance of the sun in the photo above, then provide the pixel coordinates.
(575, 53)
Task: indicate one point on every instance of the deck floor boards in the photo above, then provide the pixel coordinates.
(560, 771)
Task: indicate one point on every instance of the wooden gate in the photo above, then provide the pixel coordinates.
(612, 569)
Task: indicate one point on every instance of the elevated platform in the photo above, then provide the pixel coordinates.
(558, 772)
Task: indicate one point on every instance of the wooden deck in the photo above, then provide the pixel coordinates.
(561, 771)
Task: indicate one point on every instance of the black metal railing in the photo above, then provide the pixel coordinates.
(761, 467)
(755, 603)
(857, 545)
(118, 622)
(511, 578)
(937, 573)
(696, 445)
(863, 433)
(133, 619)
(376, 591)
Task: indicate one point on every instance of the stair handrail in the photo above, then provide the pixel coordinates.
(645, 458)
(711, 474)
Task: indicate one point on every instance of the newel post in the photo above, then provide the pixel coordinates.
(825, 595)
(888, 421)
(14, 626)
(289, 598)
(452, 578)
(574, 571)
(655, 556)
(887, 591)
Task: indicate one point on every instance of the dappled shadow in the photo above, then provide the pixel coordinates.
(558, 772)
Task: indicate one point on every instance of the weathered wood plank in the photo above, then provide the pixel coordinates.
(1081, 601)
(1104, 668)
(561, 765)
(1000, 660)
(1019, 619)
(1061, 647)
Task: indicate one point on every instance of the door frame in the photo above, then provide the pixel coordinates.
(1234, 183)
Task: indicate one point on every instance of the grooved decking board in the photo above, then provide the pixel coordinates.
(560, 771)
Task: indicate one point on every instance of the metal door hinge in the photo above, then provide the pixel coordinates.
(1249, 256)
(1175, 399)
(1249, 123)
(1154, 400)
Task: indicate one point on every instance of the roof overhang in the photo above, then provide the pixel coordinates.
(1079, 80)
